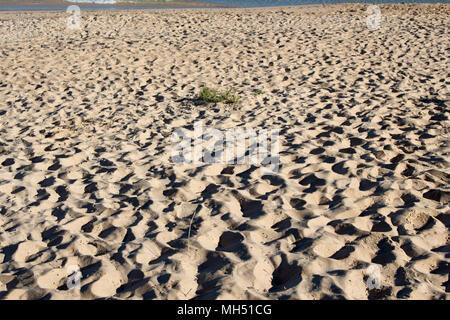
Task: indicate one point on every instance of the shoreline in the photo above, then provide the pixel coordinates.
(56, 5)
(59, 5)
(319, 8)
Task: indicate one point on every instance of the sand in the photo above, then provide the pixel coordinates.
(359, 208)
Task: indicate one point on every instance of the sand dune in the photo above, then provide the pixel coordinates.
(87, 180)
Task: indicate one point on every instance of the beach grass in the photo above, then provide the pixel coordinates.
(210, 95)
(258, 92)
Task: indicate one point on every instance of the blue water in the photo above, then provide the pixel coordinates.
(264, 3)
(150, 4)
(56, 7)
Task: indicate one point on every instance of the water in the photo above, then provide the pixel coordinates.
(44, 5)
(59, 7)
(263, 3)
(259, 3)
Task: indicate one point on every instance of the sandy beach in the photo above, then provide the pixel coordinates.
(92, 204)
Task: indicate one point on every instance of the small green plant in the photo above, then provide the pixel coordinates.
(213, 95)
(257, 92)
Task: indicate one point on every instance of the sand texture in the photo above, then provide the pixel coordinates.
(87, 179)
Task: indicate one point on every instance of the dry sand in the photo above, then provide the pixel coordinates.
(86, 177)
